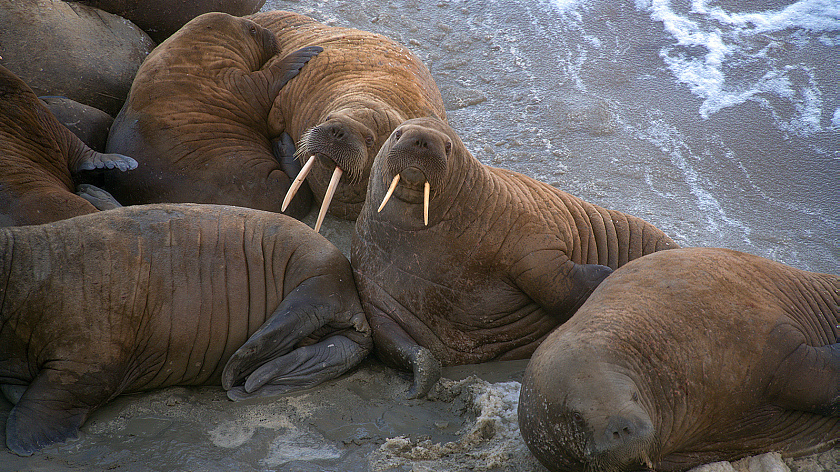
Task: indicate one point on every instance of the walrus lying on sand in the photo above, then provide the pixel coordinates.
(196, 118)
(40, 160)
(146, 297)
(687, 357)
(467, 263)
(345, 104)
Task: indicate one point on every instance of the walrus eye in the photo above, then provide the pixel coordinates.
(253, 30)
(578, 419)
(448, 147)
(397, 134)
(369, 141)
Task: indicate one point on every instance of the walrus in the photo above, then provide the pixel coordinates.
(90, 124)
(41, 161)
(345, 104)
(150, 296)
(468, 263)
(686, 357)
(72, 50)
(196, 118)
(161, 18)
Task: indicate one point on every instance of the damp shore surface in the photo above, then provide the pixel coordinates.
(716, 121)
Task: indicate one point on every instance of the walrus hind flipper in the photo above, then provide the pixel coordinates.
(47, 413)
(98, 161)
(99, 198)
(812, 380)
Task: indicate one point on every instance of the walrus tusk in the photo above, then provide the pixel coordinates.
(389, 193)
(426, 190)
(328, 196)
(297, 183)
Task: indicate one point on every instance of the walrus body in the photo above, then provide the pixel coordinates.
(151, 296)
(502, 261)
(346, 102)
(162, 18)
(686, 357)
(40, 160)
(72, 50)
(196, 118)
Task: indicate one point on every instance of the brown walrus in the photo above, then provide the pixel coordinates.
(346, 103)
(196, 118)
(686, 357)
(161, 18)
(469, 263)
(150, 296)
(40, 160)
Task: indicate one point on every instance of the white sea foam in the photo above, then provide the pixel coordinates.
(739, 56)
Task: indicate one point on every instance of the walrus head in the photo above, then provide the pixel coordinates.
(251, 44)
(579, 413)
(339, 152)
(416, 160)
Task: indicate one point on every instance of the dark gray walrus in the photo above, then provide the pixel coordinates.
(197, 118)
(469, 263)
(151, 296)
(161, 18)
(72, 50)
(687, 357)
(41, 161)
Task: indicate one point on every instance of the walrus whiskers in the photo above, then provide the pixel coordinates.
(297, 182)
(389, 193)
(426, 190)
(325, 205)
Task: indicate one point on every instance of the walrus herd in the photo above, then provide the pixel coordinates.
(643, 355)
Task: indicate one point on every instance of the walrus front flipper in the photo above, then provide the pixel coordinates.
(284, 151)
(809, 380)
(396, 348)
(302, 368)
(560, 286)
(287, 68)
(49, 412)
(270, 351)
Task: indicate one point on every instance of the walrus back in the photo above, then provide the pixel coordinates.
(167, 280)
(597, 235)
(349, 56)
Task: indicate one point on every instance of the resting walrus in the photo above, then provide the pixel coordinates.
(196, 118)
(686, 357)
(41, 160)
(500, 260)
(346, 103)
(151, 296)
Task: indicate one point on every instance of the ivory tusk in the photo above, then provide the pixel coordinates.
(426, 190)
(297, 182)
(325, 205)
(389, 193)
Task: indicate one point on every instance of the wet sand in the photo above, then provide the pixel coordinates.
(580, 99)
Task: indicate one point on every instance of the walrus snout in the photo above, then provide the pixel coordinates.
(626, 438)
(423, 148)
